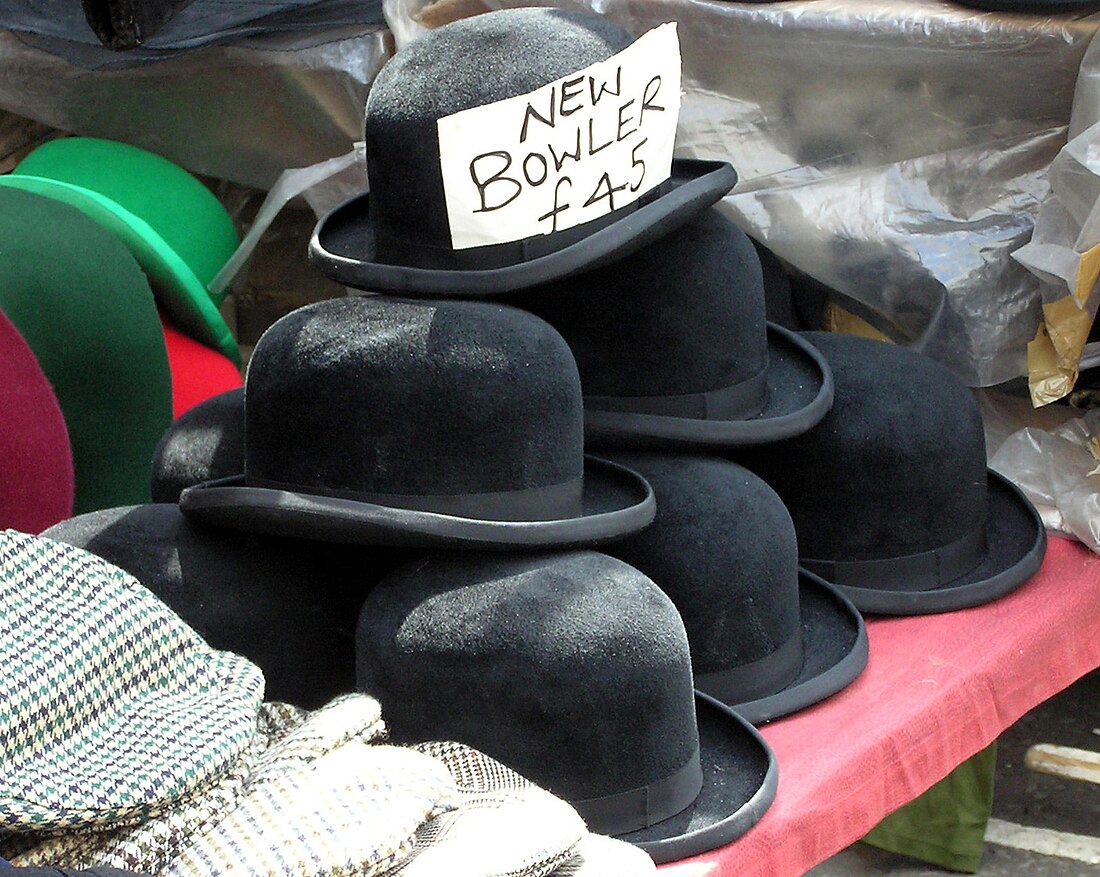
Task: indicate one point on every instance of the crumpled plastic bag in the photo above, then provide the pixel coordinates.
(1053, 455)
(1064, 251)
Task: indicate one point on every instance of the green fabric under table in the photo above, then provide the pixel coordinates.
(85, 308)
(946, 825)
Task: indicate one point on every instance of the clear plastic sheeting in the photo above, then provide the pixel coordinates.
(1064, 252)
(895, 151)
(1052, 455)
(243, 112)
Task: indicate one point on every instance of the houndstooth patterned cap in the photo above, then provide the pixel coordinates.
(111, 707)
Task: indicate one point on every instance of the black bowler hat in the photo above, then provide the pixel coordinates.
(203, 443)
(398, 422)
(766, 639)
(890, 494)
(674, 349)
(574, 670)
(398, 238)
(288, 606)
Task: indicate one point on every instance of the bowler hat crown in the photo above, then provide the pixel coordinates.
(695, 298)
(766, 639)
(690, 358)
(371, 398)
(890, 494)
(723, 548)
(572, 668)
(205, 442)
(466, 64)
(895, 468)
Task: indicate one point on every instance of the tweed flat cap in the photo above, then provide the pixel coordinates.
(112, 707)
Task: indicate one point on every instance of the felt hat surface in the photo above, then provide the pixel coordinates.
(766, 639)
(203, 444)
(83, 305)
(572, 668)
(288, 606)
(114, 708)
(36, 462)
(198, 373)
(1034, 7)
(398, 237)
(674, 350)
(890, 495)
(172, 225)
(419, 423)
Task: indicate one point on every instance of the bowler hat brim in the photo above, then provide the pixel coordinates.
(616, 502)
(739, 782)
(799, 395)
(1015, 544)
(344, 247)
(834, 652)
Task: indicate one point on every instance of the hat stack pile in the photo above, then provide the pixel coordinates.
(546, 280)
(429, 420)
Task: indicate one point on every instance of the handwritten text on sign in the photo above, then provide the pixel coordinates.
(567, 153)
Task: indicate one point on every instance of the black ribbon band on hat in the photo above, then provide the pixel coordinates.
(646, 805)
(425, 255)
(912, 572)
(554, 502)
(767, 675)
(735, 402)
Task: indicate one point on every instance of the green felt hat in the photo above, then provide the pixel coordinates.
(85, 308)
(172, 224)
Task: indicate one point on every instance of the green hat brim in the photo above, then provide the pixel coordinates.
(180, 208)
(178, 290)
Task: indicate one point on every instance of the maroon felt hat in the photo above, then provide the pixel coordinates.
(36, 461)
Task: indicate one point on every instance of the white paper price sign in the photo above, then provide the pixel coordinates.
(567, 153)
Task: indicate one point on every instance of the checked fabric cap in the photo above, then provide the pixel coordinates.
(287, 739)
(599, 856)
(112, 708)
(352, 812)
(502, 825)
(324, 802)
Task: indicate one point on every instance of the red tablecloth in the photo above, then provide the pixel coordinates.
(937, 689)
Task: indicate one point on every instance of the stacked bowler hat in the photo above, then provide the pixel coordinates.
(766, 638)
(514, 148)
(674, 349)
(450, 424)
(890, 494)
(378, 420)
(574, 669)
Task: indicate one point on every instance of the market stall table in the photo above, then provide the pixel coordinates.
(937, 689)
